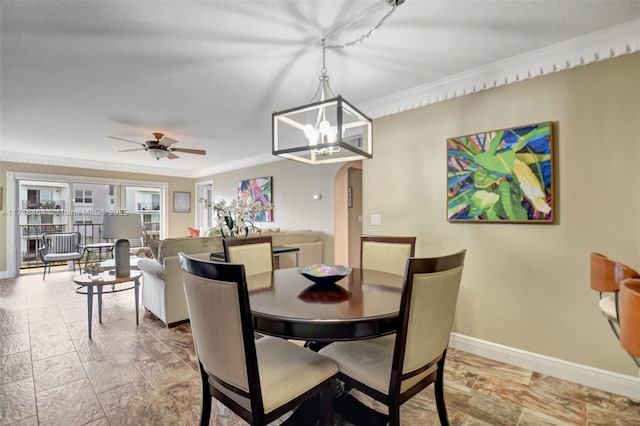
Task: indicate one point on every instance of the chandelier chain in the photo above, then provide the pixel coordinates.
(360, 39)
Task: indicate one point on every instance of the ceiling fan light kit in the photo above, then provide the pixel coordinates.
(157, 153)
(329, 129)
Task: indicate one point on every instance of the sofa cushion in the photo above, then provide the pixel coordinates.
(287, 238)
(188, 245)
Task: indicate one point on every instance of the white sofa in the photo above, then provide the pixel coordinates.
(162, 289)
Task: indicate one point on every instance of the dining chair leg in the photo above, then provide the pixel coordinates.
(439, 391)
(394, 414)
(205, 413)
(327, 396)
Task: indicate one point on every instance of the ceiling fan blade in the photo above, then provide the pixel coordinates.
(167, 141)
(126, 140)
(135, 149)
(172, 156)
(190, 151)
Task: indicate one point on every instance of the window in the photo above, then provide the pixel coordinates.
(83, 196)
(204, 216)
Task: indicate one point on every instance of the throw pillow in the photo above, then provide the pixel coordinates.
(193, 232)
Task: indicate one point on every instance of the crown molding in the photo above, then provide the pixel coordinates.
(45, 160)
(612, 42)
(609, 43)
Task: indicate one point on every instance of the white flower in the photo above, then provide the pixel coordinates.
(236, 219)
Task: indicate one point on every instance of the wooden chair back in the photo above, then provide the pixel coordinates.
(386, 253)
(255, 253)
(222, 329)
(606, 273)
(630, 316)
(427, 310)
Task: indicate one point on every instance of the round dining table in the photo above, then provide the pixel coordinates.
(362, 305)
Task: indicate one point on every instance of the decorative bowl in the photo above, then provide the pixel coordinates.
(325, 274)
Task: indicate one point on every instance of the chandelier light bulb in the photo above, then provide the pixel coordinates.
(325, 127)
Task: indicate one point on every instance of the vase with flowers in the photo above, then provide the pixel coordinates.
(235, 219)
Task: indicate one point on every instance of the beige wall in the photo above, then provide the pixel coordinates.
(177, 223)
(526, 286)
(293, 186)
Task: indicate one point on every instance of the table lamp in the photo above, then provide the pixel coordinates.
(122, 228)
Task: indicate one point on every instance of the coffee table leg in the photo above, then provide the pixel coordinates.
(137, 293)
(100, 304)
(89, 306)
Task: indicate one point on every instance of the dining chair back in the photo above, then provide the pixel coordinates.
(392, 369)
(258, 380)
(386, 253)
(606, 275)
(630, 317)
(59, 247)
(255, 253)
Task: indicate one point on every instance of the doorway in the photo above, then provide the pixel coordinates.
(348, 214)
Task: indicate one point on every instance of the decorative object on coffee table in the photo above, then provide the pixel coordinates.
(122, 228)
(93, 269)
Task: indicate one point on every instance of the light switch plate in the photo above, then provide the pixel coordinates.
(376, 219)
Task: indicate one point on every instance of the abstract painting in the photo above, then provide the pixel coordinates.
(501, 176)
(258, 189)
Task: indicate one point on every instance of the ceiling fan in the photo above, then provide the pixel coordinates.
(161, 147)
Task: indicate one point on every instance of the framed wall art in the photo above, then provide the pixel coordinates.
(181, 202)
(501, 175)
(257, 189)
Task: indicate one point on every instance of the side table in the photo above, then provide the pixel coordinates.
(86, 284)
(98, 248)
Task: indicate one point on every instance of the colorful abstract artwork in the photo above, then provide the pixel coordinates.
(258, 189)
(501, 176)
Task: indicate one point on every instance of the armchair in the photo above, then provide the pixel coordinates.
(60, 246)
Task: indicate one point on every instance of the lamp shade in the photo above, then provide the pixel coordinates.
(329, 131)
(117, 227)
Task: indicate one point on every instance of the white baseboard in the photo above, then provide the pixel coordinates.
(4, 274)
(589, 376)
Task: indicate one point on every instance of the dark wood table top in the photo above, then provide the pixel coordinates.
(362, 305)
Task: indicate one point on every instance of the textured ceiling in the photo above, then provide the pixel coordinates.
(210, 74)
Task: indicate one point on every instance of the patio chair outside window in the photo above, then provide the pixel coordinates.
(60, 246)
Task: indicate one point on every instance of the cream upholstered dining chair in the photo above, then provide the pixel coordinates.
(392, 369)
(258, 380)
(630, 317)
(255, 253)
(386, 253)
(606, 275)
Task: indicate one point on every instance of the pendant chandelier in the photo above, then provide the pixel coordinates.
(328, 129)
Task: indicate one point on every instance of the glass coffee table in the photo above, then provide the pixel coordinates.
(86, 284)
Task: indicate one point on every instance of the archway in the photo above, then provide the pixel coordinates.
(348, 214)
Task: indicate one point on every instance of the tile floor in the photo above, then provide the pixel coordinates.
(52, 374)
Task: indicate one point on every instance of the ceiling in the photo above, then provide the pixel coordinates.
(210, 74)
